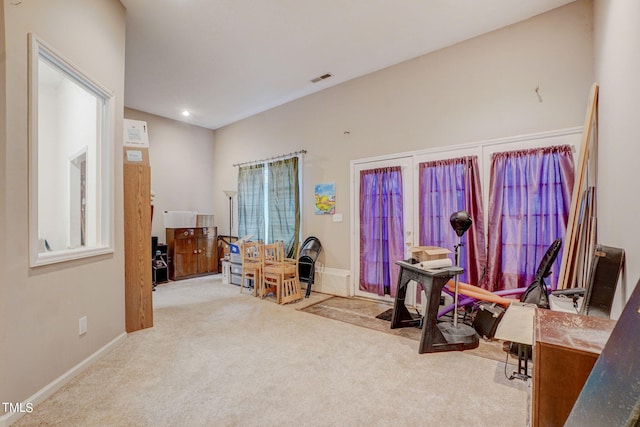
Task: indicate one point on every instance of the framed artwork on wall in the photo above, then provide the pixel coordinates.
(325, 199)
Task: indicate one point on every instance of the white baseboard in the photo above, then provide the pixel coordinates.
(333, 281)
(41, 395)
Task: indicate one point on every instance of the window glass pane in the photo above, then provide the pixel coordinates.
(70, 146)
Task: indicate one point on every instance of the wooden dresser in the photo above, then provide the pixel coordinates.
(565, 349)
(192, 252)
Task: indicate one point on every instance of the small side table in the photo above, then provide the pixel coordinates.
(565, 348)
(516, 326)
(435, 337)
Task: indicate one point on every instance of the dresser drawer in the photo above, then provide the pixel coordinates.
(184, 233)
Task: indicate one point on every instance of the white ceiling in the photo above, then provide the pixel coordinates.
(225, 60)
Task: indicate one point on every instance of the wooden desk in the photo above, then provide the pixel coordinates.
(565, 349)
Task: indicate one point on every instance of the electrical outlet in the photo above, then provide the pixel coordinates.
(82, 325)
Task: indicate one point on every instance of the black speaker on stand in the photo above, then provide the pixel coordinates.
(458, 332)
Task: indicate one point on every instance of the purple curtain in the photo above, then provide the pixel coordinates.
(529, 202)
(381, 229)
(448, 186)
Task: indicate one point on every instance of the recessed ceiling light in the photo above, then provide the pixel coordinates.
(186, 113)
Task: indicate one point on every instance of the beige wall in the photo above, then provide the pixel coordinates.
(40, 307)
(617, 59)
(182, 164)
(477, 90)
(3, 184)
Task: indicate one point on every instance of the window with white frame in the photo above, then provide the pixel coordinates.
(269, 202)
(70, 169)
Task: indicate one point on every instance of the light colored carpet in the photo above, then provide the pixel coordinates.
(219, 358)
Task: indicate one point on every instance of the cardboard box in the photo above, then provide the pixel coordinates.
(180, 219)
(429, 253)
(205, 220)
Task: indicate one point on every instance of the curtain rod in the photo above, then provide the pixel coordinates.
(282, 156)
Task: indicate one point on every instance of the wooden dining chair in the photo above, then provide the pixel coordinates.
(271, 256)
(252, 254)
(280, 275)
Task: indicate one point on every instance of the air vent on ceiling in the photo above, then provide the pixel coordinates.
(322, 77)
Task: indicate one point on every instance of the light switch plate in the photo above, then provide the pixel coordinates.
(82, 325)
(337, 217)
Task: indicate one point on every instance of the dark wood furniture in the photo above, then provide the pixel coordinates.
(565, 348)
(192, 252)
(159, 265)
(610, 395)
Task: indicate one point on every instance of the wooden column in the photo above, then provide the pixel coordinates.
(137, 239)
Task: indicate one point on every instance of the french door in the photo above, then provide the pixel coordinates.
(408, 237)
(383, 222)
(369, 248)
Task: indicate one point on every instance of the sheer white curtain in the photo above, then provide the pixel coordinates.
(284, 204)
(269, 203)
(251, 201)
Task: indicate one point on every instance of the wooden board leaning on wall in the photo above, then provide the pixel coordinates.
(580, 238)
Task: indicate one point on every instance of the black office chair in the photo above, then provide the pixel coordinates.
(596, 298)
(537, 293)
(309, 253)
